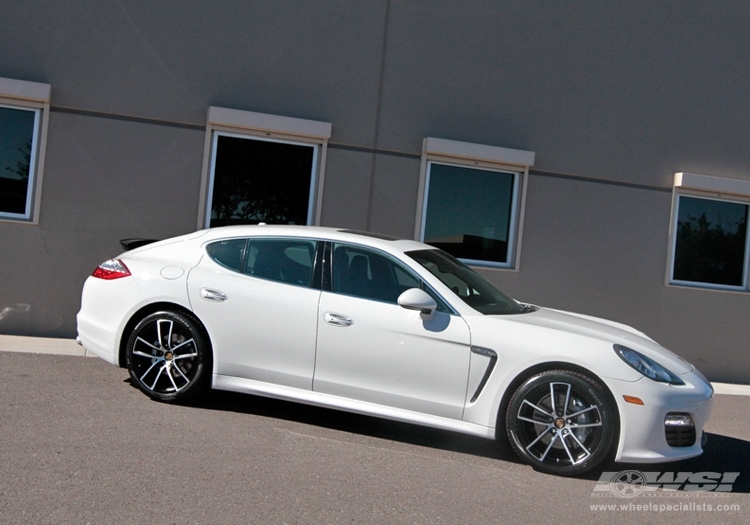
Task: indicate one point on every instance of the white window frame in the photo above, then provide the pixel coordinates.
(708, 188)
(30, 96)
(479, 156)
(262, 126)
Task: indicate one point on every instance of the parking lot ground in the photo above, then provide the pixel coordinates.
(79, 444)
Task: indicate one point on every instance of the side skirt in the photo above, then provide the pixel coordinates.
(308, 397)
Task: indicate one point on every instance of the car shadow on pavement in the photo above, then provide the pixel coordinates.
(722, 454)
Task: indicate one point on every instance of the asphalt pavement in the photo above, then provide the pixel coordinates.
(80, 444)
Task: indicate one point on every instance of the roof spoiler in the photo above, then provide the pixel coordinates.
(132, 244)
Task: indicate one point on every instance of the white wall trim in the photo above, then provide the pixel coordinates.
(465, 150)
(24, 90)
(249, 120)
(715, 185)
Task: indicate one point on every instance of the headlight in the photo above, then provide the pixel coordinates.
(646, 366)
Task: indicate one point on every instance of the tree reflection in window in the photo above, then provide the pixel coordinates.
(16, 170)
(711, 242)
(257, 180)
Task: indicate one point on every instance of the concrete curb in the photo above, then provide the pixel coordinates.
(43, 345)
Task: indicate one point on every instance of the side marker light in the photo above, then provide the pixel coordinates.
(633, 400)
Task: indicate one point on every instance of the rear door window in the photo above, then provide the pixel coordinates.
(289, 261)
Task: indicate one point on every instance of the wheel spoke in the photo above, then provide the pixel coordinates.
(168, 340)
(567, 451)
(142, 340)
(534, 421)
(143, 377)
(549, 446)
(592, 407)
(158, 332)
(179, 371)
(171, 379)
(158, 375)
(537, 408)
(585, 425)
(567, 399)
(553, 388)
(552, 399)
(540, 436)
(183, 344)
(585, 450)
(144, 354)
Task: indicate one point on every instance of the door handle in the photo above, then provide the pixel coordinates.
(337, 320)
(215, 296)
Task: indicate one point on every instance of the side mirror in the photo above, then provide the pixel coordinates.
(416, 299)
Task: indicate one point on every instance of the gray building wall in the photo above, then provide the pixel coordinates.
(614, 98)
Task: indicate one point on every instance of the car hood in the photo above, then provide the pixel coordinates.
(607, 331)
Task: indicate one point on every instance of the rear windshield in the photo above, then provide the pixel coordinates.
(467, 284)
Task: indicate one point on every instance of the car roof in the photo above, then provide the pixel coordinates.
(383, 242)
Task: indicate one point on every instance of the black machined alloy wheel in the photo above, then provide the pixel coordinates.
(168, 357)
(562, 422)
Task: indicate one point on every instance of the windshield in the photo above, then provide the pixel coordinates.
(467, 284)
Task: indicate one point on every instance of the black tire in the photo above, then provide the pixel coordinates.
(168, 357)
(562, 422)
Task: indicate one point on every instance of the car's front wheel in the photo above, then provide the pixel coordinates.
(562, 422)
(168, 357)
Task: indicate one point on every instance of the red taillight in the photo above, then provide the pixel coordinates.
(112, 269)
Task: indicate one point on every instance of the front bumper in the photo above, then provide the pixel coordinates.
(644, 435)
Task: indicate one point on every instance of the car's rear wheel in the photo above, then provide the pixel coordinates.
(168, 357)
(562, 422)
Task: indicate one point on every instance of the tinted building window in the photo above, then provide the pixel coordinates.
(470, 212)
(17, 134)
(256, 180)
(711, 242)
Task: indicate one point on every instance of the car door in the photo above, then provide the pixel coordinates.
(258, 299)
(373, 350)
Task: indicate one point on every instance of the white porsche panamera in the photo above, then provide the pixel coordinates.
(390, 328)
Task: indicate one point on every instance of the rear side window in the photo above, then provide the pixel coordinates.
(284, 261)
(228, 253)
(288, 261)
